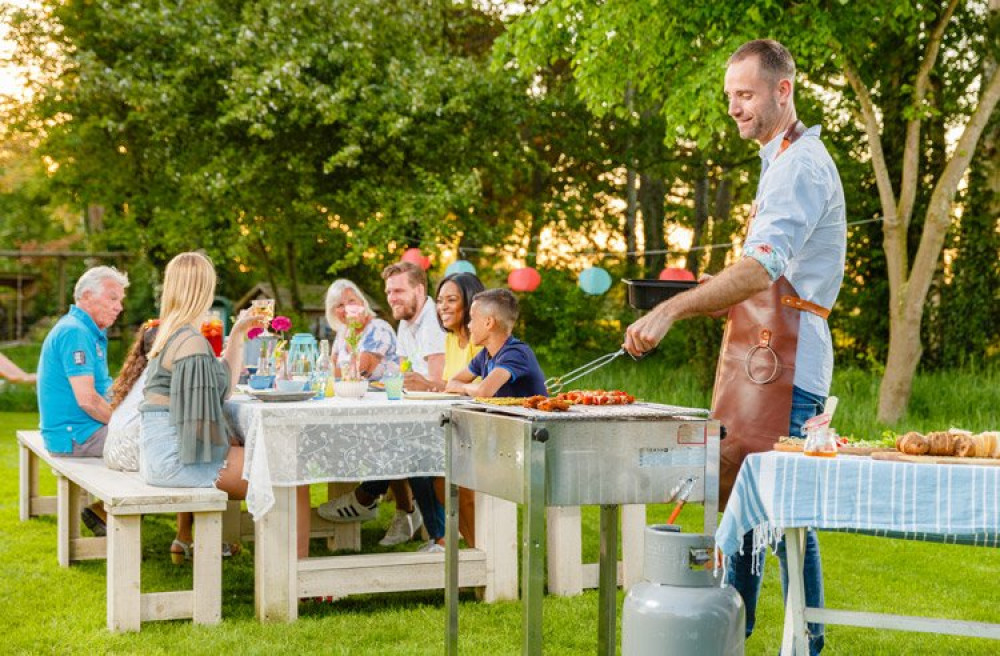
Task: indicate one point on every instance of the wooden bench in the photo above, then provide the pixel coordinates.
(126, 498)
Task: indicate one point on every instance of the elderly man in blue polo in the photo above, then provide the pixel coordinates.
(73, 379)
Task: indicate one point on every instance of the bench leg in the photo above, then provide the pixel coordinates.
(208, 567)
(124, 558)
(346, 536)
(232, 523)
(565, 551)
(67, 519)
(27, 481)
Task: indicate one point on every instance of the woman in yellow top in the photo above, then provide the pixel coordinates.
(454, 296)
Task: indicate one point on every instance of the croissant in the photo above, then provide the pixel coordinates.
(992, 440)
(912, 443)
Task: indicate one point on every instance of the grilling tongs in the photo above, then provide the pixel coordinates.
(557, 383)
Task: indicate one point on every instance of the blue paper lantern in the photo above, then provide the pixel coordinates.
(460, 266)
(595, 281)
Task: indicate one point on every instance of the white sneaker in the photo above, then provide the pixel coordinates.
(347, 508)
(431, 547)
(404, 525)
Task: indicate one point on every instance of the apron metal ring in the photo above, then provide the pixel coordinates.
(774, 372)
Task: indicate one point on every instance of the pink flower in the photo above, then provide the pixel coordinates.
(281, 323)
(354, 311)
(254, 333)
(765, 249)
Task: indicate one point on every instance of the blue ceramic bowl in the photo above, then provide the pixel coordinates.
(261, 382)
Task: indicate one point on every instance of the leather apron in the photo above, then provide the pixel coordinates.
(752, 397)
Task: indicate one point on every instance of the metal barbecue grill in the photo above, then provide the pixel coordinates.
(591, 455)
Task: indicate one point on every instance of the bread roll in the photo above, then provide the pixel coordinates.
(941, 443)
(965, 446)
(912, 443)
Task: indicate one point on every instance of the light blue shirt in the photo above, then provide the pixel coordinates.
(800, 231)
(74, 347)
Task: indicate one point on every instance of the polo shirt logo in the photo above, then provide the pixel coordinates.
(79, 357)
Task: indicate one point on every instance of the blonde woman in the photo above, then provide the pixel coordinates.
(183, 439)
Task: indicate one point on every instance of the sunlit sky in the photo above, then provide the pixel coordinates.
(12, 79)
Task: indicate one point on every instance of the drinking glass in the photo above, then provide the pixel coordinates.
(263, 308)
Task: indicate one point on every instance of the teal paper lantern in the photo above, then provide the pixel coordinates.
(595, 281)
(460, 266)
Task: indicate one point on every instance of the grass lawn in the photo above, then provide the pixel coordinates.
(49, 609)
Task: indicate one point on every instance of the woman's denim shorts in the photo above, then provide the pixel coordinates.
(159, 456)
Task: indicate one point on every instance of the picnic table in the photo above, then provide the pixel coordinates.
(350, 440)
(785, 492)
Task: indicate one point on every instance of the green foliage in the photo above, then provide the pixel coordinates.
(565, 326)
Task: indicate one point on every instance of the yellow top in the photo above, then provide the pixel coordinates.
(457, 358)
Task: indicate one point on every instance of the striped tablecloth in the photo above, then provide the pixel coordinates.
(943, 503)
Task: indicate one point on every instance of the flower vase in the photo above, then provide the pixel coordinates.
(351, 385)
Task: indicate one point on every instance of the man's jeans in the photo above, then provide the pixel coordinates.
(804, 406)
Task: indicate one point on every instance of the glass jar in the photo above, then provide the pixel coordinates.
(821, 438)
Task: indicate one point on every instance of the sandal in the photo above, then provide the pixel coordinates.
(180, 551)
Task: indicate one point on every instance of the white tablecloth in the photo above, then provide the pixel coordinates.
(941, 503)
(291, 444)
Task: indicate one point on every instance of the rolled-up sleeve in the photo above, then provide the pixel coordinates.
(788, 209)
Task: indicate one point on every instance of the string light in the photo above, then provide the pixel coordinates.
(472, 249)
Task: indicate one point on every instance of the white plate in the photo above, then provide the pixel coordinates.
(432, 396)
(276, 396)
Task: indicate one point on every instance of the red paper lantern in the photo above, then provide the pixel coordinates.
(414, 255)
(676, 273)
(524, 280)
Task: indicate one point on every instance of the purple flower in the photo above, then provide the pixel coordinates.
(254, 333)
(281, 323)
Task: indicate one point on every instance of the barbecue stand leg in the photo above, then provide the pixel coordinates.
(451, 548)
(533, 548)
(607, 581)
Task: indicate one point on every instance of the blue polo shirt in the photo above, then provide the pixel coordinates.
(74, 347)
(526, 377)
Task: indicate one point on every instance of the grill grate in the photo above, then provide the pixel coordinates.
(632, 411)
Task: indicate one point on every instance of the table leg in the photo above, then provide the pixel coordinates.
(451, 551)
(795, 639)
(533, 547)
(608, 581)
(276, 560)
(564, 550)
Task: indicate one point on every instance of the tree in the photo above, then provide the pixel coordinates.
(673, 57)
(910, 280)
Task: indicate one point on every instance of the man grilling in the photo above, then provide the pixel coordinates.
(776, 363)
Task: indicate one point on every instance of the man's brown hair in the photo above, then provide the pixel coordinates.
(414, 274)
(774, 58)
(501, 304)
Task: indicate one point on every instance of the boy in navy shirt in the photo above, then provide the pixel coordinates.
(506, 365)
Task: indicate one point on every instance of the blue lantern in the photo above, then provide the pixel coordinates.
(595, 281)
(460, 266)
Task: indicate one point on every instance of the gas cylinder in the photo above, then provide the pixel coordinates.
(680, 608)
